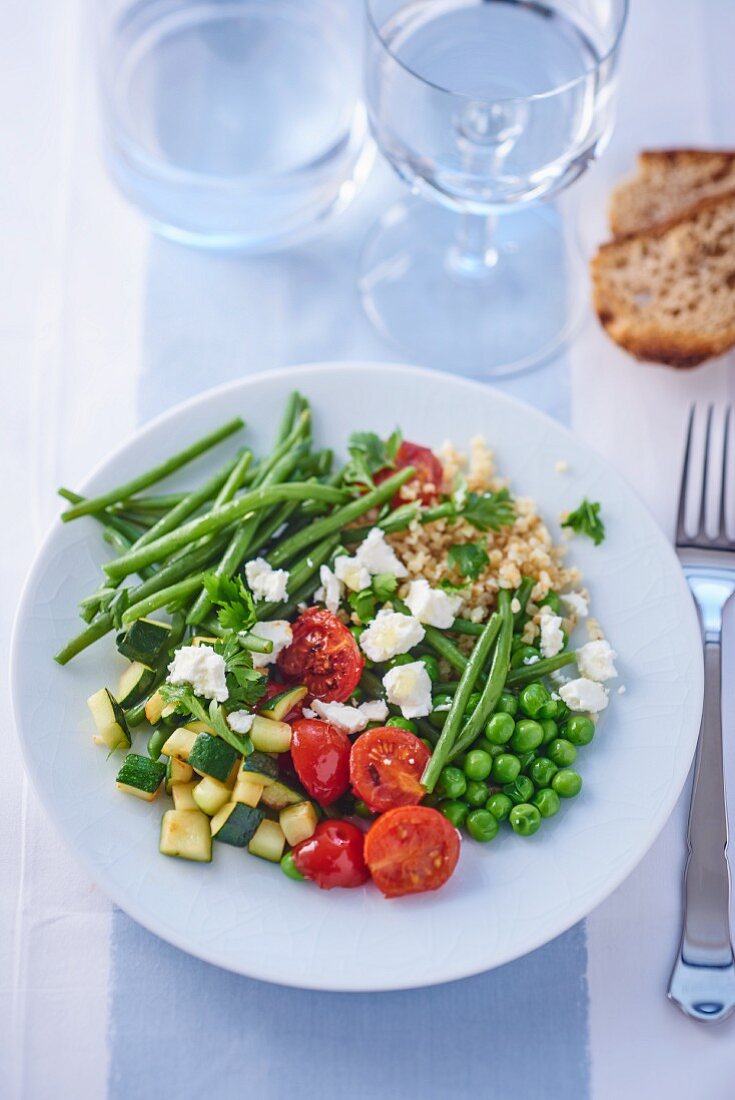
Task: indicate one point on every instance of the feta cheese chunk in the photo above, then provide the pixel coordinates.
(349, 719)
(409, 687)
(331, 590)
(201, 667)
(576, 603)
(378, 556)
(389, 634)
(279, 632)
(583, 694)
(240, 721)
(352, 573)
(552, 635)
(596, 661)
(265, 582)
(432, 606)
(375, 710)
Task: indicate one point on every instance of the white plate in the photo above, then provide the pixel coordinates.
(505, 898)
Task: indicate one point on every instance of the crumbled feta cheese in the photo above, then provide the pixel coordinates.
(576, 603)
(279, 632)
(378, 556)
(409, 687)
(583, 694)
(389, 634)
(240, 721)
(265, 582)
(201, 667)
(552, 635)
(442, 707)
(307, 712)
(532, 660)
(331, 591)
(349, 719)
(374, 710)
(352, 573)
(301, 606)
(515, 605)
(432, 606)
(596, 661)
(562, 466)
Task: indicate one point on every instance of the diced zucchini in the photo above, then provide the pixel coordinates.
(144, 641)
(200, 639)
(268, 841)
(236, 824)
(183, 796)
(247, 791)
(210, 795)
(277, 795)
(154, 708)
(180, 743)
(140, 776)
(270, 736)
(186, 834)
(298, 822)
(112, 729)
(260, 767)
(134, 683)
(199, 727)
(280, 705)
(212, 756)
(177, 771)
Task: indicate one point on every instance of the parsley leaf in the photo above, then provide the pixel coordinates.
(489, 511)
(469, 558)
(363, 604)
(586, 520)
(384, 586)
(452, 589)
(368, 454)
(245, 684)
(188, 703)
(236, 607)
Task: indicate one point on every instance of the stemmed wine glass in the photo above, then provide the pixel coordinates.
(484, 107)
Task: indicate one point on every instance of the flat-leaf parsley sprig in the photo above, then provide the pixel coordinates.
(586, 520)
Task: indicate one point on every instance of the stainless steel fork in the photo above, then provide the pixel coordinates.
(702, 982)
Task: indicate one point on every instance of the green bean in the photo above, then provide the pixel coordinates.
(445, 648)
(455, 714)
(465, 626)
(162, 598)
(161, 503)
(496, 679)
(190, 504)
(338, 519)
(528, 673)
(291, 410)
(114, 538)
(106, 518)
(156, 473)
(96, 630)
(255, 643)
(522, 594)
(156, 741)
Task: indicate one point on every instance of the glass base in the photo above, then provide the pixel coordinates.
(496, 313)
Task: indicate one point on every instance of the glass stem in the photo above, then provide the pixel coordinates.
(473, 256)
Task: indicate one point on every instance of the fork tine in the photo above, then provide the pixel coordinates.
(681, 530)
(722, 519)
(702, 521)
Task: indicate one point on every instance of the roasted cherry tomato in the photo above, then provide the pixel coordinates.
(411, 850)
(323, 655)
(386, 765)
(321, 756)
(428, 479)
(333, 856)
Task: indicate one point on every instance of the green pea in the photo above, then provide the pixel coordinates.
(527, 735)
(524, 819)
(439, 717)
(482, 826)
(499, 728)
(487, 746)
(524, 656)
(431, 665)
(520, 790)
(289, 868)
(579, 729)
(542, 771)
(478, 764)
(533, 698)
(454, 811)
(400, 659)
(472, 702)
(550, 728)
(549, 709)
(507, 704)
(562, 710)
(499, 805)
(505, 768)
(476, 793)
(374, 726)
(552, 601)
(452, 782)
(567, 783)
(403, 724)
(363, 810)
(562, 752)
(526, 759)
(546, 802)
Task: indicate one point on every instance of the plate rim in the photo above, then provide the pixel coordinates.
(213, 957)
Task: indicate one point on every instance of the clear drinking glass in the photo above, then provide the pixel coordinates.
(233, 123)
(484, 107)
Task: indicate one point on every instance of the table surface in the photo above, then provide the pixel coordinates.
(97, 315)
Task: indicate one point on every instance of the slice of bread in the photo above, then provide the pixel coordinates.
(667, 183)
(668, 294)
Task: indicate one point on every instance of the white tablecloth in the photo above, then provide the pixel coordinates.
(101, 325)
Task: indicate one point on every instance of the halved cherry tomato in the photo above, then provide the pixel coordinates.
(427, 480)
(386, 765)
(323, 655)
(321, 756)
(411, 850)
(333, 856)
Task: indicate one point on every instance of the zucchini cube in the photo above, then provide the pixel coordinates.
(183, 796)
(140, 776)
(268, 841)
(236, 824)
(186, 835)
(212, 756)
(112, 729)
(270, 736)
(298, 822)
(210, 795)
